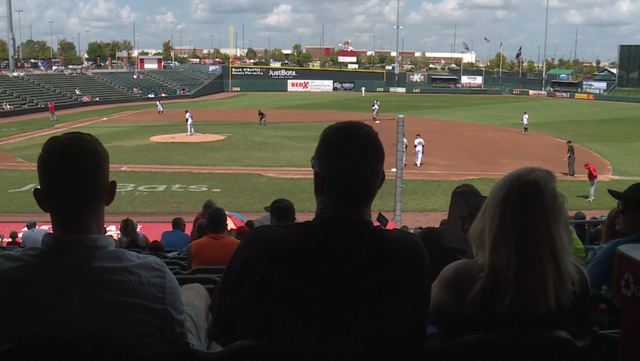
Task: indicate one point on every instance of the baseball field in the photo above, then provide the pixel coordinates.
(474, 139)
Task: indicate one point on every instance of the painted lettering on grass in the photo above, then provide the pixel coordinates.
(144, 189)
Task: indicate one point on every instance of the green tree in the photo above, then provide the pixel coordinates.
(531, 67)
(382, 58)
(495, 62)
(613, 64)
(143, 53)
(277, 54)
(67, 49)
(167, 47)
(598, 64)
(306, 58)
(550, 65)
(333, 57)
(457, 62)
(590, 69)
(372, 60)
(96, 50)
(470, 65)
(194, 55)
(251, 54)
(4, 50)
(508, 65)
(390, 60)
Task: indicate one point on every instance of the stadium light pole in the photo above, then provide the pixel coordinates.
(51, 35)
(87, 38)
(20, 26)
(79, 44)
(180, 31)
(397, 27)
(544, 67)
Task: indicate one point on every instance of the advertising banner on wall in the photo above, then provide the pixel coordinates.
(397, 90)
(215, 69)
(347, 59)
(352, 66)
(594, 87)
(560, 95)
(585, 96)
(310, 85)
(343, 86)
(468, 81)
(537, 93)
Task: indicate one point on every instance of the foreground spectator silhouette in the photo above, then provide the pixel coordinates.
(77, 286)
(523, 279)
(337, 279)
(628, 222)
(282, 211)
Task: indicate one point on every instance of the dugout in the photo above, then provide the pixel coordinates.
(444, 81)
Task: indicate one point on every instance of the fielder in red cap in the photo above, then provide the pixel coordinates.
(593, 178)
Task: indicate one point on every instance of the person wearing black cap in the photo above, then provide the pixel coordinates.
(337, 279)
(628, 222)
(282, 211)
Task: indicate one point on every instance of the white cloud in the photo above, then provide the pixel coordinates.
(280, 17)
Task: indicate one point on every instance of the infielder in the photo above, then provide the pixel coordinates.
(592, 174)
(525, 122)
(418, 144)
(189, 122)
(262, 116)
(160, 107)
(363, 90)
(52, 111)
(375, 108)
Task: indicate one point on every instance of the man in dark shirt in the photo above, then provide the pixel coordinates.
(571, 157)
(337, 279)
(262, 116)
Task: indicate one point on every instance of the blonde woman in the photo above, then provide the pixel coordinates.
(130, 238)
(524, 277)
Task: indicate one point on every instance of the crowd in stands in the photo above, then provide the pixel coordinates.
(337, 280)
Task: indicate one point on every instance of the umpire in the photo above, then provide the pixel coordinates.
(571, 157)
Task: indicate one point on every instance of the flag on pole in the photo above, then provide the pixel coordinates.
(465, 46)
(487, 40)
(519, 53)
(501, 45)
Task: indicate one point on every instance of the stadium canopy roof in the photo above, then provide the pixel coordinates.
(562, 72)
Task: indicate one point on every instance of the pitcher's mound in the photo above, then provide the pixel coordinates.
(184, 138)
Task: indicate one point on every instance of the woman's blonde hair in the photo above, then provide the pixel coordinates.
(521, 244)
(129, 229)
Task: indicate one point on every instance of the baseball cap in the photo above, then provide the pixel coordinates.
(586, 165)
(630, 196)
(31, 223)
(281, 209)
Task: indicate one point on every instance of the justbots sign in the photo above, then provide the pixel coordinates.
(310, 85)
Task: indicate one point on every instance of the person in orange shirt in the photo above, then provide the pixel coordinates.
(216, 248)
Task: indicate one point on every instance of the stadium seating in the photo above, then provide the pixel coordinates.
(190, 80)
(22, 90)
(88, 85)
(147, 85)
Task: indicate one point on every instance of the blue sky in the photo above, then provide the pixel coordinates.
(602, 24)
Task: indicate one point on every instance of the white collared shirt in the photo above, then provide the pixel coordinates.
(83, 288)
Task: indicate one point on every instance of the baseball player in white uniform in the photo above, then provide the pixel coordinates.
(375, 108)
(189, 121)
(525, 122)
(363, 90)
(160, 107)
(405, 144)
(418, 144)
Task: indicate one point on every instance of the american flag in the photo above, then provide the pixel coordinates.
(519, 54)
(487, 40)
(465, 46)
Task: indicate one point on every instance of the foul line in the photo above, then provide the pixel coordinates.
(61, 129)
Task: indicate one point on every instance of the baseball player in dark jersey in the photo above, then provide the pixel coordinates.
(262, 116)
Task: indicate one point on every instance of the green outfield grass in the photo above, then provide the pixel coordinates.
(609, 129)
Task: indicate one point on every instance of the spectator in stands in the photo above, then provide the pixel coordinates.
(79, 286)
(163, 94)
(176, 238)
(33, 236)
(151, 95)
(156, 247)
(7, 106)
(241, 232)
(627, 221)
(216, 248)
(13, 236)
(130, 238)
(282, 211)
(609, 233)
(523, 279)
(581, 229)
(201, 229)
(208, 204)
(86, 99)
(24, 105)
(78, 91)
(433, 239)
(320, 280)
(250, 224)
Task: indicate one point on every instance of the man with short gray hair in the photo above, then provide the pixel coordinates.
(33, 236)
